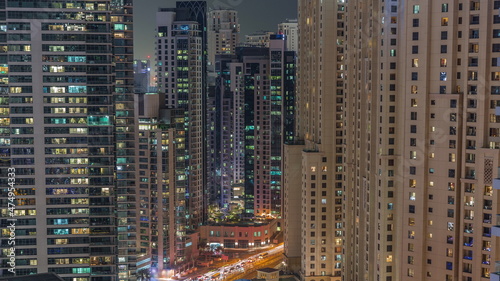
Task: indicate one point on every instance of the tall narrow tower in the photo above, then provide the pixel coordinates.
(317, 185)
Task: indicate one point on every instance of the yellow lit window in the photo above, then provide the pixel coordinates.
(82, 230)
(56, 68)
(61, 241)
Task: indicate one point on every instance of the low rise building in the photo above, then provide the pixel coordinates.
(240, 235)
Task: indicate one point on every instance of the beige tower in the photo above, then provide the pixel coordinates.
(414, 144)
(318, 152)
(422, 140)
(223, 33)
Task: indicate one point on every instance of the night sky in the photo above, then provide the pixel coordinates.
(254, 15)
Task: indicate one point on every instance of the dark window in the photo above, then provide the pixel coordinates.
(411, 209)
(413, 170)
(451, 173)
(414, 76)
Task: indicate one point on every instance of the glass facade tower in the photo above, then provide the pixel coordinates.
(67, 127)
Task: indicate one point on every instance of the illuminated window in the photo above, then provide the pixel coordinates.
(412, 196)
(56, 68)
(57, 90)
(413, 183)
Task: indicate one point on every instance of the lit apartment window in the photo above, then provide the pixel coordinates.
(413, 155)
(416, 9)
(443, 76)
(451, 226)
(444, 21)
(411, 272)
(412, 183)
(414, 88)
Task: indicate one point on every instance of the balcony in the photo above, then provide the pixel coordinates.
(495, 276)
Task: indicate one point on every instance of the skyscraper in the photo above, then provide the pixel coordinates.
(290, 29)
(223, 33)
(314, 161)
(258, 39)
(171, 246)
(142, 76)
(427, 87)
(182, 78)
(254, 104)
(67, 112)
(419, 141)
(223, 37)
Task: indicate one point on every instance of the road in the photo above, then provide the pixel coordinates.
(243, 267)
(251, 273)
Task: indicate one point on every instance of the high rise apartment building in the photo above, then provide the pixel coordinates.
(258, 39)
(68, 130)
(223, 33)
(314, 161)
(290, 29)
(223, 37)
(428, 79)
(142, 76)
(419, 140)
(164, 226)
(181, 67)
(253, 103)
